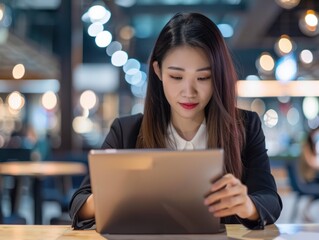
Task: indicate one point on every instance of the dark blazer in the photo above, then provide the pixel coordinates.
(256, 174)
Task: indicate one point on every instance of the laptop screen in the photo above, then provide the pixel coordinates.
(154, 191)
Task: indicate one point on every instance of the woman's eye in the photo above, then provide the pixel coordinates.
(204, 78)
(176, 77)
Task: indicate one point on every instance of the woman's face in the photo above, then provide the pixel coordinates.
(187, 82)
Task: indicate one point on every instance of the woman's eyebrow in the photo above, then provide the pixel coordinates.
(176, 68)
(204, 69)
(182, 69)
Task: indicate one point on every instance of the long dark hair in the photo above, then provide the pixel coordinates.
(224, 123)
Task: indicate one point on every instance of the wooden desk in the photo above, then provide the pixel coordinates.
(236, 231)
(38, 170)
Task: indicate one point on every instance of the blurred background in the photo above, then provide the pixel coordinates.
(68, 68)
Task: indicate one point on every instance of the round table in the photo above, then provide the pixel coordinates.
(37, 170)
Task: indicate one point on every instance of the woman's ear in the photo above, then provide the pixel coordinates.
(157, 70)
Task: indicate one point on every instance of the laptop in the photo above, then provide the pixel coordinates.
(154, 191)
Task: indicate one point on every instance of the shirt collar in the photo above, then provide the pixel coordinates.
(199, 141)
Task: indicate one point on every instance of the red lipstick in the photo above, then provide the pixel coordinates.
(188, 105)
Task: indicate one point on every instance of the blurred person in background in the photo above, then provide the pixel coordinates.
(309, 164)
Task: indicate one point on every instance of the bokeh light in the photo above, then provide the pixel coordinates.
(308, 23)
(119, 58)
(271, 118)
(95, 28)
(113, 47)
(293, 116)
(310, 107)
(288, 4)
(265, 63)
(258, 106)
(18, 71)
(82, 125)
(15, 100)
(49, 100)
(306, 56)
(88, 99)
(103, 39)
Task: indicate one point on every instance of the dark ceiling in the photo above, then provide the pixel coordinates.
(257, 25)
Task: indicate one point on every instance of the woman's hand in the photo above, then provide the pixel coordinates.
(229, 197)
(87, 210)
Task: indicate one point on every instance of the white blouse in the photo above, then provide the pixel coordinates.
(176, 142)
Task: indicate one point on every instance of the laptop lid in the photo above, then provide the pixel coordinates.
(154, 191)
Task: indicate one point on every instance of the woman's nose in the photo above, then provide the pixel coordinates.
(189, 88)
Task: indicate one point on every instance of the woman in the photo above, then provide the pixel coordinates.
(191, 104)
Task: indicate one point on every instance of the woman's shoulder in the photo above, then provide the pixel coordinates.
(123, 132)
(248, 116)
(251, 120)
(128, 123)
(131, 119)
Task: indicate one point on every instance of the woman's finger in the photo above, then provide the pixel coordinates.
(227, 203)
(228, 211)
(227, 179)
(227, 192)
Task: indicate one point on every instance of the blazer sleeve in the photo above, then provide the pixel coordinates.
(257, 175)
(123, 134)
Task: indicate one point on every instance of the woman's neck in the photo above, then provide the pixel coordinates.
(186, 129)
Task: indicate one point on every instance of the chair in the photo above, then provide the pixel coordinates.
(299, 186)
(14, 154)
(60, 189)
